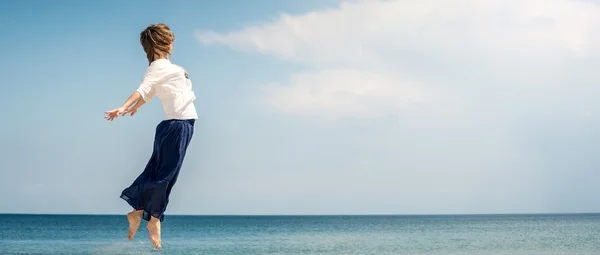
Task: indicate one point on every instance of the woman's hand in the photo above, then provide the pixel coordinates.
(131, 110)
(112, 114)
(127, 107)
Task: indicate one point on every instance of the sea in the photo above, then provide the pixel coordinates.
(327, 235)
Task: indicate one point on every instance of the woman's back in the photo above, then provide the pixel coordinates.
(171, 84)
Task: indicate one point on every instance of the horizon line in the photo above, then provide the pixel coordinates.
(309, 215)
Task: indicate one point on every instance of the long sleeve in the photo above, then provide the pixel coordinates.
(147, 87)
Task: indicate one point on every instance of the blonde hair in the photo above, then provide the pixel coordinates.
(156, 39)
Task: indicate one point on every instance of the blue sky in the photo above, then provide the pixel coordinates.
(309, 107)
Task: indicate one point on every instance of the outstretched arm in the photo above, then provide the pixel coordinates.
(143, 94)
(112, 114)
(133, 98)
(133, 110)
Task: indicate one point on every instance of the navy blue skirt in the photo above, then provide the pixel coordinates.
(150, 191)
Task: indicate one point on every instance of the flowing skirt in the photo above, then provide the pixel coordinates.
(150, 191)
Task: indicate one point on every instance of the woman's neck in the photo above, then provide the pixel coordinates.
(161, 56)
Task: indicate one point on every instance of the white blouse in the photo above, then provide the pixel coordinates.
(171, 84)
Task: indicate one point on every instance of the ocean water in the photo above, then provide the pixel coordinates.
(332, 235)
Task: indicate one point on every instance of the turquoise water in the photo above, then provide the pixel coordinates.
(380, 235)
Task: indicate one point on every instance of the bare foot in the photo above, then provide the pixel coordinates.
(134, 219)
(154, 229)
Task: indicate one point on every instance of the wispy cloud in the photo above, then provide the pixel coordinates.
(345, 93)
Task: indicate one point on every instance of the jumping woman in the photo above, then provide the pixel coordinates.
(149, 193)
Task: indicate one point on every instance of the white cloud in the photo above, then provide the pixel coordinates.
(355, 30)
(345, 93)
(363, 51)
